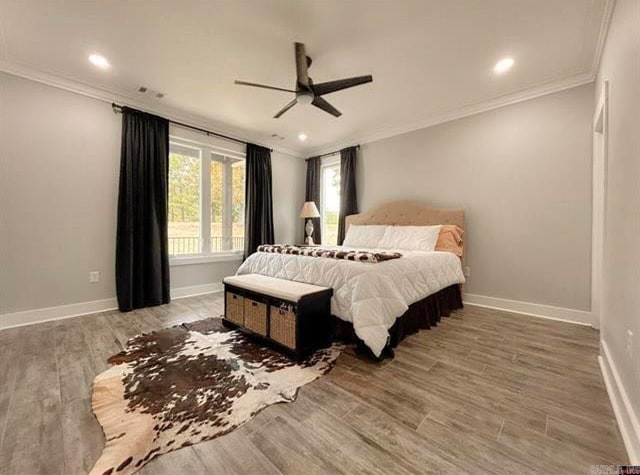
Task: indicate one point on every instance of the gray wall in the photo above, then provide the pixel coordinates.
(621, 302)
(523, 175)
(59, 162)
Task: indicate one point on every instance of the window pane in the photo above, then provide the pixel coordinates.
(227, 203)
(184, 200)
(237, 204)
(330, 204)
(218, 243)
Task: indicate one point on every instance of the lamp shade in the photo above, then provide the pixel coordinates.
(309, 210)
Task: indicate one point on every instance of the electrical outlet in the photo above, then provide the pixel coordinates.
(630, 344)
(467, 271)
(94, 277)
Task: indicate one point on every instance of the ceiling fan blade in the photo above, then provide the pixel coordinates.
(302, 66)
(338, 85)
(285, 108)
(245, 83)
(320, 103)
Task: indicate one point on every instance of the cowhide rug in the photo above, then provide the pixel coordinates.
(187, 384)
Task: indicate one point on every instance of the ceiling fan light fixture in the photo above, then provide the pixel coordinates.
(304, 98)
(308, 93)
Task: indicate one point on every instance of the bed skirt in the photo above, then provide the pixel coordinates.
(421, 315)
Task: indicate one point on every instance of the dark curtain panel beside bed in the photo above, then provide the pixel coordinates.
(258, 205)
(312, 193)
(348, 197)
(142, 258)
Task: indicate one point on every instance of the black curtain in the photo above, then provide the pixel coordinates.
(312, 193)
(348, 197)
(142, 258)
(258, 205)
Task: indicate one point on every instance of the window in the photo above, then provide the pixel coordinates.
(206, 200)
(184, 199)
(330, 202)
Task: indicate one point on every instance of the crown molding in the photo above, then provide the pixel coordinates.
(602, 35)
(495, 103)
(123, 98)
(127, 99)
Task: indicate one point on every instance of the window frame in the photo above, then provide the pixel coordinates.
(207, 153)
(332, 161)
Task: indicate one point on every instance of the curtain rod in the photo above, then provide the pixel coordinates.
(117, 108)
(329, 153)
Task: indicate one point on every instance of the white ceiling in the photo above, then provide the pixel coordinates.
(427, 57)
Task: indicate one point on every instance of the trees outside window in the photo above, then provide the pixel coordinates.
(330, 203)
(206, 200)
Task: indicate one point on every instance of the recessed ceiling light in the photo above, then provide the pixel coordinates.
(99, 60)
(503, 65)
(302, 136)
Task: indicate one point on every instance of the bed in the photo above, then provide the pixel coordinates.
(381, 303)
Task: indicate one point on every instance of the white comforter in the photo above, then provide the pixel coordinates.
(371, 296)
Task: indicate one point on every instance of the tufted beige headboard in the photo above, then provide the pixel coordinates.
(408, 213)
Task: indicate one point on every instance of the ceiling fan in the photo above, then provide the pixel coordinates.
(306, 91)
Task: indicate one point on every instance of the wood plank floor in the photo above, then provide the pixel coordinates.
(484, 392)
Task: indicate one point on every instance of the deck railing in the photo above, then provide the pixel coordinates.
(219, 243)
(191, 245)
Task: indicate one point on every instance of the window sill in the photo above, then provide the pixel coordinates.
(205, 259)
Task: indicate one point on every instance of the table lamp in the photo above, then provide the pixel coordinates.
(308, 211)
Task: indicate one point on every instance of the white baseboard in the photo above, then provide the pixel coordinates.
(29, 317)
(625, 415)
(581, 317)
(39, 315)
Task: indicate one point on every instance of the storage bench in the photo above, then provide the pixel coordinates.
(293, 315)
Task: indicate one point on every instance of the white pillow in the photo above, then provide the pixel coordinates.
(364, 236)
(410, 238)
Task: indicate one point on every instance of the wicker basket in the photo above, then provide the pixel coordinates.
(235, 308)
(282, 326)
(255, 316)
